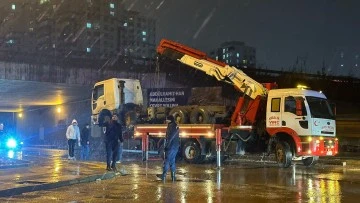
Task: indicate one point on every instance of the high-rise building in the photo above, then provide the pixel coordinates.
(75, 29)
(236, 54)
(137, 35)
(16, 26)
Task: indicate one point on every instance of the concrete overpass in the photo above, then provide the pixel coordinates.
(20, 95)
(36, 90)
(25, 87)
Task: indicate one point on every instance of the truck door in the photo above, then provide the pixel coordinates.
(273, 115)
(294, 115)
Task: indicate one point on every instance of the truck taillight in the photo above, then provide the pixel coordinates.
(137, 134)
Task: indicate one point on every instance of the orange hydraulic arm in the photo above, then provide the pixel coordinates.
(221, 71)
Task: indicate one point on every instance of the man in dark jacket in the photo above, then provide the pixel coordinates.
(112, 136)
(172, 144)
(85, 143)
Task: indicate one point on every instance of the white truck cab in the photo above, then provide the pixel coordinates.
(110, 95)
(306, 116)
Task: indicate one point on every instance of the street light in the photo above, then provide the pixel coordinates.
(20, 115)
(58, 109)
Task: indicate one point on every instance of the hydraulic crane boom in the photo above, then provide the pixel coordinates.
(217, 69)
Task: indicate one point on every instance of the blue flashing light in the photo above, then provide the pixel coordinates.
(11, 143)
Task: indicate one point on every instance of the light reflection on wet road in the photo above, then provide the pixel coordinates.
(246, 182)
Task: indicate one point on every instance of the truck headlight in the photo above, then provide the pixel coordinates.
(11, 143)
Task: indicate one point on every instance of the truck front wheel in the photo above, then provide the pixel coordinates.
(192, 152)
(310, 161)
(283, 154)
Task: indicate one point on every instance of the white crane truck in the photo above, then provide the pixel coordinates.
(295, 124)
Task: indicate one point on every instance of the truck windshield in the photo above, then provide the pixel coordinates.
(319, 108)
(98, 91)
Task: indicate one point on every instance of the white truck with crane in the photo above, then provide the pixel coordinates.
(296, 124)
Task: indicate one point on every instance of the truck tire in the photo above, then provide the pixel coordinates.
(104, 116)
(283, 154)
(192, 152)
(310, 161)
(199, 115)
(180, 115)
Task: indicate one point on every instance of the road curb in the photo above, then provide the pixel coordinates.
(48, 186)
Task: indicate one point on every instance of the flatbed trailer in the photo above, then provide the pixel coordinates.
(199, 142)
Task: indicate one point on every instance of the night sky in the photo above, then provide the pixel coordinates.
(281, 30)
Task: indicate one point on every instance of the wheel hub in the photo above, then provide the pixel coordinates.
(190, 152)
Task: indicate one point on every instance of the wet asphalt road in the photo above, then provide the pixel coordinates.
(235, 182)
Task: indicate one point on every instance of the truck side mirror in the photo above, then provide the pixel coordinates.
(299, 106)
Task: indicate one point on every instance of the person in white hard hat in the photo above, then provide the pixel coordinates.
(72, 135)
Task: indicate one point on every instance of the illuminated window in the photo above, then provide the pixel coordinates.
(144, 39)
(112, 5)
(125, 24)
(223, 51)
(244, 61)
(237, 55)
(223, 56)
(88, 50)
(10, 41)
(88, 25)
(112, 13)
(216, 58)
(144, 33)
(13, 6)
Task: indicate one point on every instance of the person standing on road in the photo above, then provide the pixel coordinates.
(72, 134)
(113, 134)
(172, 144)
(85, 143)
